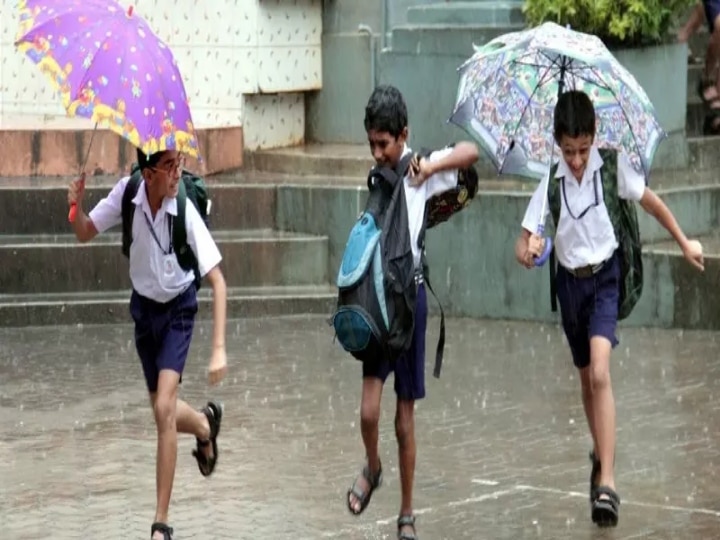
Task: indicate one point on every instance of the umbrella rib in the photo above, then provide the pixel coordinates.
(527, 104)
(632, 133)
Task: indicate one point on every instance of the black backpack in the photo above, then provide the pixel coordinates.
(191, 187)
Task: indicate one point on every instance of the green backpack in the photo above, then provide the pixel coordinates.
(193, 188)
(623, 215)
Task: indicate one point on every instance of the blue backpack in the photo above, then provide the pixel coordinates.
(375, 315)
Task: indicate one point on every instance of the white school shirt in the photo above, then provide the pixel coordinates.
(591, 239)
(150, 273)
(416, 197)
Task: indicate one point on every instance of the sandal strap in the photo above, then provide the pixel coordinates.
(163, 528)
(406, 520)
(610, 493)
(373, 480)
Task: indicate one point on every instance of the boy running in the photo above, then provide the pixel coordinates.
(163, 305)
(589, 272)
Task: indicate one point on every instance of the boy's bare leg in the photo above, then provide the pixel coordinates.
(165, 410)
(587, 401)
(692, 24)
(405, 432)
(603, 408)
(369, 420)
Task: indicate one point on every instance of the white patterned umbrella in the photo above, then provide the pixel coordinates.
(508, 90)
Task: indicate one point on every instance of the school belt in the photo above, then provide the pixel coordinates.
(586, 271)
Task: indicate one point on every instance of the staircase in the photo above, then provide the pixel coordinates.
(48, 278)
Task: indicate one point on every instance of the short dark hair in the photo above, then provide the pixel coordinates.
(574, 115)
(386, 111)
(148, 162)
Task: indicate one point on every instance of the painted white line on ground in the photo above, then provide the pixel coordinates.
(421, 511)
(484, 482)
(670, 507)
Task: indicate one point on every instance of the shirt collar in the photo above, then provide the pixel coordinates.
(595, 162)
(169, 205)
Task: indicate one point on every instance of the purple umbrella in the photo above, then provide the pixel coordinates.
(110, 67)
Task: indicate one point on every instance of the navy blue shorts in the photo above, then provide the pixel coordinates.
(410, 367)
(712, 10)
(163, 333)
(589, 307)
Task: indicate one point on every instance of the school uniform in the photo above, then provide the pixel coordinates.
(585, 247)
(163, 302)
(409, 368)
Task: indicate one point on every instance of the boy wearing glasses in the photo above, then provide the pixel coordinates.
(163, 305)
(588, 274)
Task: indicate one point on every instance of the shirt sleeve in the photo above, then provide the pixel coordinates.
(631, 184)
(108, 212)
(534, 214)
(201, 241)
(443, 180)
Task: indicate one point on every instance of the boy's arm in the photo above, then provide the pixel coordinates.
(654, 205)
(208, 258)
(441, 168)
(529, 245)
(106, 214)
(218, 359)
(462, 155)
(631, 186)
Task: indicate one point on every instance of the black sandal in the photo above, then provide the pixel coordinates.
(606, 511)
(206, 464)
(374, 481)
(711, 124)
(406, 521)
(594, 474)
(163, 528)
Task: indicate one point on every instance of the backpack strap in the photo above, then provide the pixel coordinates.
(185, 256)
(127, 209)
(554, 206)
(440, 349)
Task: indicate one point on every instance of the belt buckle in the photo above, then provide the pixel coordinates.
(584, 272)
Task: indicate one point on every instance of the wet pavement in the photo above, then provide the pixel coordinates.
(502, 437)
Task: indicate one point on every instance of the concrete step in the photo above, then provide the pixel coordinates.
(444, 39)
(685, 297)
(332, 160)
(111, 307)
(704, 153)
(331, 164)
(39, 206)
(499, 13)
(58, 264)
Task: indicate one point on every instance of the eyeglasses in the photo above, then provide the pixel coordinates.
(171, 166)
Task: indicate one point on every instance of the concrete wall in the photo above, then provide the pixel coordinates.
(471, 257)
(334, 114)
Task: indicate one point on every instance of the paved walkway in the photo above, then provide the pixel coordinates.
(502, 439)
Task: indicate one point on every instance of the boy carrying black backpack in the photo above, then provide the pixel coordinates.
(382, 308)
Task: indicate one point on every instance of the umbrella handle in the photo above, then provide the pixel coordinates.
(542, 259)
(72, 214)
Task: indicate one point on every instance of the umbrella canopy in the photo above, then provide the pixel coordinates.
(508, 90)
(109, 66)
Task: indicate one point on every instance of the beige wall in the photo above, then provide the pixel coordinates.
(244, 62)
